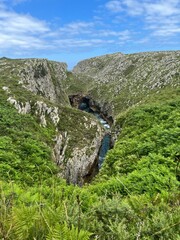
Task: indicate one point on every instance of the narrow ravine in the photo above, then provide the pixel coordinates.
(106, 142)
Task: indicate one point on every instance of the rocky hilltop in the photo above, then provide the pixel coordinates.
(119, 81)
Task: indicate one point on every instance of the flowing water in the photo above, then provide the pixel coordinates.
(106, 142)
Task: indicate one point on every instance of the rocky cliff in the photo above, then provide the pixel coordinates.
(44, 78)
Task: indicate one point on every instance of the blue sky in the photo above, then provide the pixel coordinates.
(72, 30)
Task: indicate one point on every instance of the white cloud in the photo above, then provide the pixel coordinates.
(76, 43)
(162, 8)
(162, 17)
(133, 7)
(19, 42)
(114, 6)
(138, 7)
(23, 33)
(166, 32)
(111, 33)
(12, 22)
(76, 28)
(18, 31)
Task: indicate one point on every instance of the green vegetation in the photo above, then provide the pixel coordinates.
(25, 154)
(76, 84)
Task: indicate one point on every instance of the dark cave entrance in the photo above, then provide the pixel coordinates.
(86, 103)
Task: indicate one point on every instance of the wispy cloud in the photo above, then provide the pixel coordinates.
(23, 33)
(75, 43)
(76, 28)
(18, 31)
(162, 8)
(161, 17)
(13, 23)
(138, 7)
(114, 6)
(132, 7)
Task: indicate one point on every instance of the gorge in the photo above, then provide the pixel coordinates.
(105, 86)
(84, 103)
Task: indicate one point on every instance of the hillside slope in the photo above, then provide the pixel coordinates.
(119, 81)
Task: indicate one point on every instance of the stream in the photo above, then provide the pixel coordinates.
(106, 142)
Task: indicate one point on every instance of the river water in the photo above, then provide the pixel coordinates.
(106, 142)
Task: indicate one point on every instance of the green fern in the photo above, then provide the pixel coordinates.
(62, 232)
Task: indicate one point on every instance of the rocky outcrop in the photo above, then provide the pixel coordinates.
(43, 110)
(40, 108)
(59, 150)
(44, 78)
(78, 167)
(77, 162)
(93, 66)
(81, 165)
(22, 108)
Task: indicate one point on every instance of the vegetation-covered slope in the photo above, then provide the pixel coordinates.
(135, 195)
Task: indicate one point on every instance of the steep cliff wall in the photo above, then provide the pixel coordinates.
(44, 78)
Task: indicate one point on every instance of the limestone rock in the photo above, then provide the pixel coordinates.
(83, 161)
(41, 110)
(23, 108)
(79, 166)
(44, 77)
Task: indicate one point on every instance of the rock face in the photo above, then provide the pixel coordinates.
(80, 165)
(44, 77)
(77, 167)
(41, 110)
